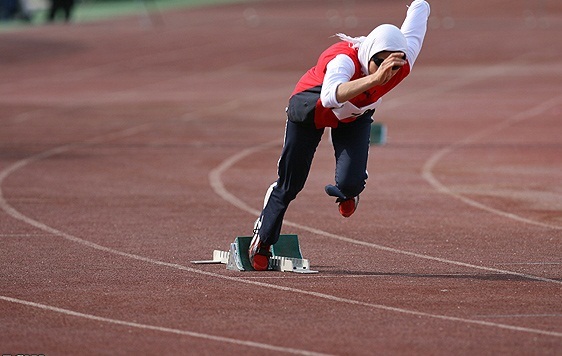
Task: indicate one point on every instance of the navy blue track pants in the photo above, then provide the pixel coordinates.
(351, 150)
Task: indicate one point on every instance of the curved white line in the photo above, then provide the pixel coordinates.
(4, 205)
(218, 187)
(427, 170)
(216, 181)
(158, 328)
(39, 225)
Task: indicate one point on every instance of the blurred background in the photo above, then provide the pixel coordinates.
(18, 13)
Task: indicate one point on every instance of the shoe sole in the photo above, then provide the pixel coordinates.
(345, 212)
(260, 262)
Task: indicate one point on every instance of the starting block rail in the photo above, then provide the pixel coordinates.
(218, 258)
(286, 256)
(288, 264)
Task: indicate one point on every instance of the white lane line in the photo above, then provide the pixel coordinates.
(4, 205)
(159, 328)
(17, 215)
(530, 263)
(428, 167)
(499, 316)
(376, 275)
(24, 235)
(218, 186)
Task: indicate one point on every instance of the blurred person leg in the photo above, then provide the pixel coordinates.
(55, 4)
(67, 6)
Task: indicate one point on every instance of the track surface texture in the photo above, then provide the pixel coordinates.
(128, 150)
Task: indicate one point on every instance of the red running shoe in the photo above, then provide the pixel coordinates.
(259, 253)
(348, 206)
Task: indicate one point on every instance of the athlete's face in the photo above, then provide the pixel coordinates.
(378, 58)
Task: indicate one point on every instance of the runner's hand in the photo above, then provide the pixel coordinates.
(389, 67)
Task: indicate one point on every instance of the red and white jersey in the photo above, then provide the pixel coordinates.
(313, 99)
(310, 86)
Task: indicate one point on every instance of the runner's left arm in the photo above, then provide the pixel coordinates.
(414, 28)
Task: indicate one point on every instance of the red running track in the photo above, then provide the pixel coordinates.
(127, 151)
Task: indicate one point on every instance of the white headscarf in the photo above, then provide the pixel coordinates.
(383, 38)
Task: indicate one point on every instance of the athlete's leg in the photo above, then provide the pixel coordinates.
(300, 145)
(351, 149)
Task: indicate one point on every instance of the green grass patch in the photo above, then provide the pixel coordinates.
(96, 10)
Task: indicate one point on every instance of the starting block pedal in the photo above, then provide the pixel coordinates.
(286, 256)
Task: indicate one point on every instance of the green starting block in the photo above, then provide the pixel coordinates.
(286, 256)
(378, 134)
